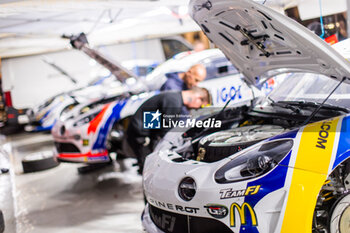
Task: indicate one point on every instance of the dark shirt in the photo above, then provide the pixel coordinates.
(173, 83)
(168, 103)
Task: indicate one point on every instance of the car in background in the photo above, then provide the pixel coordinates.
(282, 165)
(99, 90)
(20, 94)
(89, 137)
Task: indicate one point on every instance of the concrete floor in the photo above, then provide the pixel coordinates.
(61, 200)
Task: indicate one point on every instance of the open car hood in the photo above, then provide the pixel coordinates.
(258, 40)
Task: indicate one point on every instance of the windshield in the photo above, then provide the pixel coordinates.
(313, 88)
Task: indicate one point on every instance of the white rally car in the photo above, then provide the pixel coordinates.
(269, 169)
(89, 136)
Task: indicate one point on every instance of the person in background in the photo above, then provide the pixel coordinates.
(342, 33)
(184, 80)
(143, 140)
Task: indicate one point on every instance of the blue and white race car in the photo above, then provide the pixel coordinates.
(281, 166)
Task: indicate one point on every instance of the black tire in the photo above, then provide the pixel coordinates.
(2, 222)
(39, 162)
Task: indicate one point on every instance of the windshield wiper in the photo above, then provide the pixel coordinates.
(315, 104)
(283, 104)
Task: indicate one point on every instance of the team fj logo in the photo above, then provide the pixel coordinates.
(151, 120)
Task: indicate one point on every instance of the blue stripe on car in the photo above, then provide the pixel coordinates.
(100, 142)
(42, 128)
(48, 112)
(269, 183)
(344, 142)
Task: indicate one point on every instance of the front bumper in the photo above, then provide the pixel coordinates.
(76, 147)
(164, 171)
(99, 157)
(166, 211)
(156, 220)
(147, 222)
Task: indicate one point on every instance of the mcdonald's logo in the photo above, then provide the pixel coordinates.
(242, 214)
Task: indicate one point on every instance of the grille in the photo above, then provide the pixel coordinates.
(66, 148)
(177, 223)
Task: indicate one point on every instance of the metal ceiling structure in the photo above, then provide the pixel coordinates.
(30, 27)
(36, 26)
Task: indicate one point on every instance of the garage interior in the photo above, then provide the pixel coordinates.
(37, 62)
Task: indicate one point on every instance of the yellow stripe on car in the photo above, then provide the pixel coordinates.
(309, 174)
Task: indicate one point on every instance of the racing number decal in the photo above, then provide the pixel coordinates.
(242, 214)
(311, 168)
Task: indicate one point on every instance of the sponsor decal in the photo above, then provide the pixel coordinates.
(230, 193)
(323, 135)
(225, 93)
(242, 211)
(164, 221)
(99, 158)
(151, 120)
(85, 142)
(169, 206)
(217, 211)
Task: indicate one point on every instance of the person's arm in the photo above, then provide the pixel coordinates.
(173, 83)
(167, 86)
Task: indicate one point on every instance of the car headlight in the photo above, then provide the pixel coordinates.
(86, 119)
(187, 189)
(256, 161)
